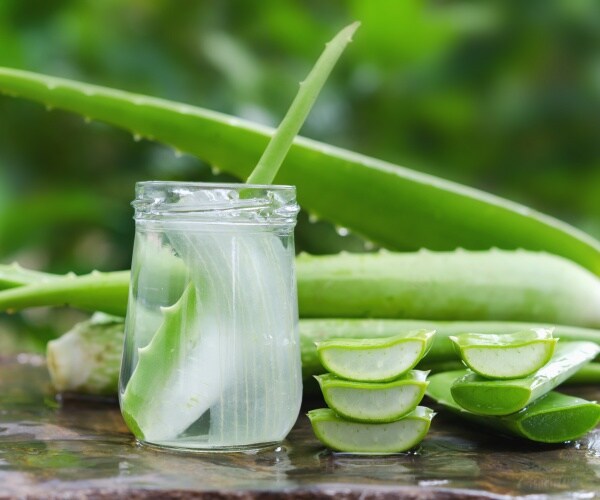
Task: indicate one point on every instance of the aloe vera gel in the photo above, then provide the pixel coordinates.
(211, 358)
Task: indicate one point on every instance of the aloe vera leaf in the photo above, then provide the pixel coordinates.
(508, 356)
(14, 275)
(105, 292)
(358, 437)
(79, 294)
(372, 401)
(279, 145)
(553, 418)
(503, 397)
(374, 360)
(331, 181)
(309, 331)
(86, 359)
(460, 285)
(162, 397)
(587, 374)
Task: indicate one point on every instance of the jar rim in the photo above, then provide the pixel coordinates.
(215, 185)
(212, 202)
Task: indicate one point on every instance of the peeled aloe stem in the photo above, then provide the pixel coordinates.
(503, 397)
(87, 358)
(554, 418)
(331, 181)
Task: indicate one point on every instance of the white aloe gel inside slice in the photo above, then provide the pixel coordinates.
(511, 355)
(373, 364)
(373, 404)
(356, 437)
(507, 361)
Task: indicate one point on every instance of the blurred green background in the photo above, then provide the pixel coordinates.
(504, 96)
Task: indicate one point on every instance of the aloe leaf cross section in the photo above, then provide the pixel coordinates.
(374, 401)
(374, 360)
(503, 397)
(344, 435)
(513, 355)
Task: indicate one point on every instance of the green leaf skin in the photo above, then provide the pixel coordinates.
(376, 439)
(460, 285)
(503, 397)
(158, 402)
(13, 275)
(88, 382)
(374, 360)
(554, 418)
(105, 292)
(513, 355)
(376, 199)
(373, 402)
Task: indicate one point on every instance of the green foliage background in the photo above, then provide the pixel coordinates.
(504, 96)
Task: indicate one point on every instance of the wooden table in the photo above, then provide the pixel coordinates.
(79, 448)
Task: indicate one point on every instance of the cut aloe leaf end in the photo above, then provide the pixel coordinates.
(374, 402)
(507, 356)
(503, 397)
(556, 418)
(344, 435)
(553, 418)
(374, 360)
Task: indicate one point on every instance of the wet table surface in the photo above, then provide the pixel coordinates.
(77, 449)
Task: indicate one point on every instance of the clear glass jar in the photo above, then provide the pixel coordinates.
(211, 358)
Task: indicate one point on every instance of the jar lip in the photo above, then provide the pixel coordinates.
(215, 202)
(215, 185)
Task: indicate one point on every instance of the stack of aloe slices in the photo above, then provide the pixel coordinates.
(510, 381)
(373, 394)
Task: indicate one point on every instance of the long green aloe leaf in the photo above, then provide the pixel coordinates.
(102, 334)
(391, 205)
(460, 285)
(96, 291)
(554, 418)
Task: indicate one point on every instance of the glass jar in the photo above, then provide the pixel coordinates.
(211, 358)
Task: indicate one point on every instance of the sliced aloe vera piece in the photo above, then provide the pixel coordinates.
(162, 398)
(553, 418)
(503, 397)
(374, 401)
(340, 434)
(374, 360)
(512, 355)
